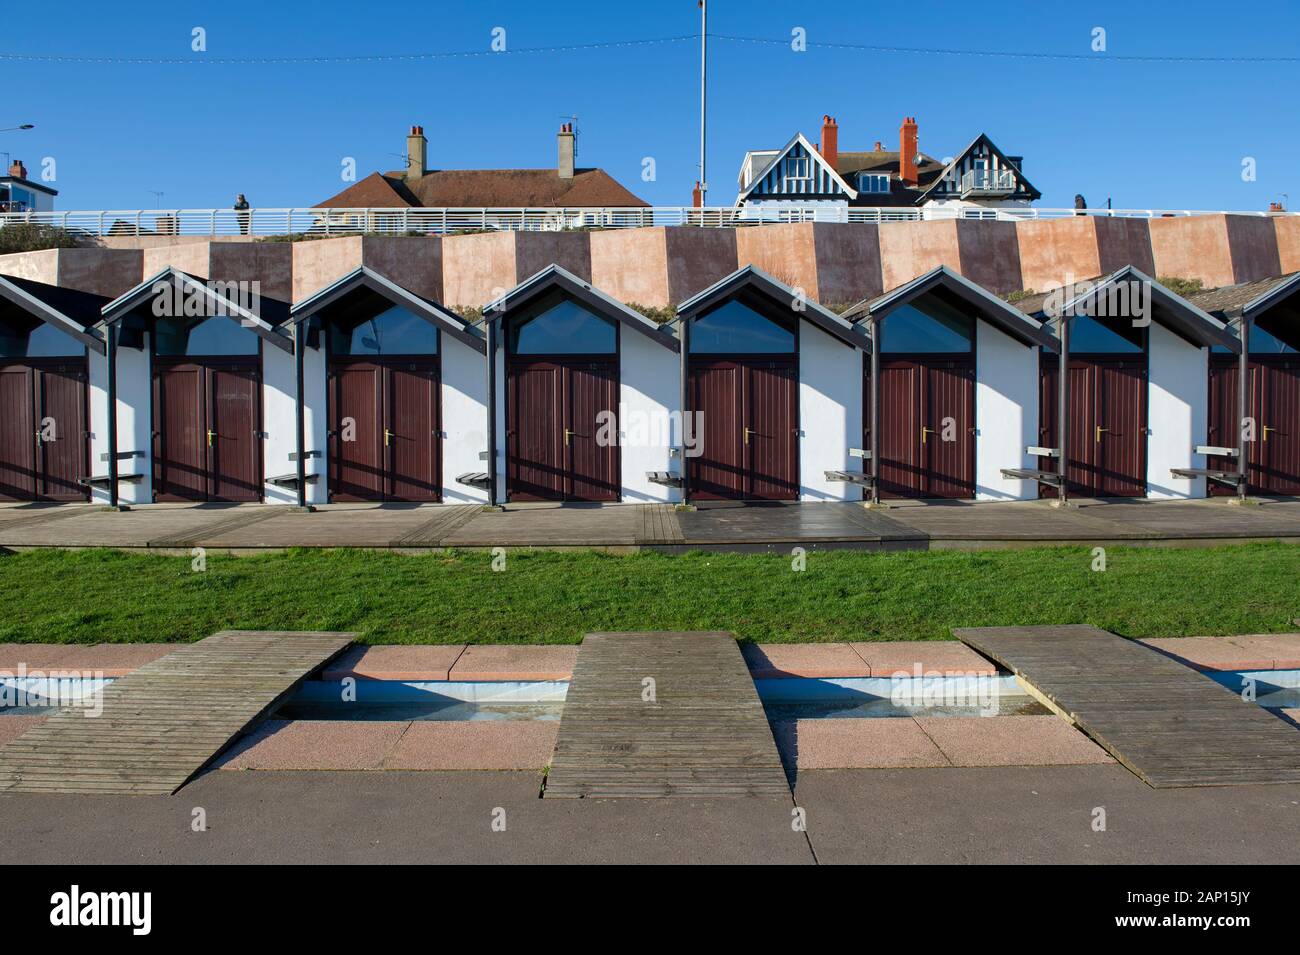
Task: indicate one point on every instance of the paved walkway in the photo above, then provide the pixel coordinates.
(906, 526)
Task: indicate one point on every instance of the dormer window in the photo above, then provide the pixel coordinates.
(873, 182)
(797, 167)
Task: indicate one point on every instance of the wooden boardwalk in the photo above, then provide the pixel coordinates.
(704, 733)
(163, 722)
(1169, 724)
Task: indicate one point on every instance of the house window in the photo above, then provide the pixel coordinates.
(38, 341)
(927, 326)
(797, 167)
(873, 182)
(395, 331)
(562, 328)
(220, 335)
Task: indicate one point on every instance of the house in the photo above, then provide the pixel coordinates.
(565, 187)
(20, 194)
(802, 173)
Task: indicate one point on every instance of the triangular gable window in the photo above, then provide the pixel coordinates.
(734, 328)
(562, 327)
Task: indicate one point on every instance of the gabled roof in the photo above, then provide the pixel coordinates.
(1171, 310)
(782, 296)
(271, 313)
(797, 140)
(987, 306)
(70, 311)
(367, 278)
(1033, 193)
(490, 188)
(1251, 298)
(553, 277)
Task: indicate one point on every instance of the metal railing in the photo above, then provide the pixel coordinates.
(988, 181)
(313, 223)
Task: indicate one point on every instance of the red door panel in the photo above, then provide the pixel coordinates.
(61, 400)
(535, 454)
(592, 392)
(414, 440)
(234, 441)
(356, 432)
(17, 434)
(948, 400)
(1222, 430)
(771, 414)
(718, 472)
(180, 469)
(1278, 428)
(1107, 425)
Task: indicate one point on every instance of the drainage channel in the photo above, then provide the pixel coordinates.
(784, 699)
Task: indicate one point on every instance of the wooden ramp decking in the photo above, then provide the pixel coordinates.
(1169, 724)
(704, 733)
(163, 722)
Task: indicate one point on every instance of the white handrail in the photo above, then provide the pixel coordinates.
(310, 223)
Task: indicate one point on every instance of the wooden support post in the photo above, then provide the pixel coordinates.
(685, 398)
(1243, 399)
(1063, 411)
(110, 353)
(875, 409)
(490, 326)
(299, 346)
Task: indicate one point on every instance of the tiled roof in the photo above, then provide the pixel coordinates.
(491, 188)
(1230, 299)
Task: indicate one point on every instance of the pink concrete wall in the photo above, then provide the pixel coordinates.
(697, 258)
(1122, 242)
(321, 262)
(848, 262)
(1252, 247)
(192, 258)
(414, 262)
(788, 253)
(268, 263)
(535, 251)
(40, 266)
(1055, 252)
(990, 254)
(910, 249)
(631, 265)
(1287, 229)
(102, 271)
(1194, 247)
(478, 268)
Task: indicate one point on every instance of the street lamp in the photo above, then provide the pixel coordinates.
(10, 129)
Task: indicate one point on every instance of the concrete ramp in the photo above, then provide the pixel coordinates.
(663, 714)
(163, 722)
(1169, 724)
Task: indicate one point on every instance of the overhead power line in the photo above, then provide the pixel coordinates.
(208, 60)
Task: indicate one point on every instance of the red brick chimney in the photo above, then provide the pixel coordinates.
(830, 145)
(18, 170)
(907, 151)
(697, 197)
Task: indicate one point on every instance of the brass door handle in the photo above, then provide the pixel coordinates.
(567, 435)
(1267, 429)
(925, 431)
(38, 437)
(211, 434)
(748, 432)
(1100, 429)
(388, 437)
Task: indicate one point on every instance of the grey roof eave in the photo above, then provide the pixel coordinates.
(1273, 296)
(50, 315)
(365, 277)
(1190, 323)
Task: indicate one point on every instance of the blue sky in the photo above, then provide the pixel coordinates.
(1167, 135)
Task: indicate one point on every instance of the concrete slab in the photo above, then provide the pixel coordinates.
(558, 526)
(1011, 741)
(395, 662)
(1283, 648)
(1292, 715)
(478, 744)
(856, 744)
(33, 656)
(937, 656)
(114, 659)
(514, 662)
(1213, 653)
(12, 727)
(364, 525)
(815, 660)
(315, 744)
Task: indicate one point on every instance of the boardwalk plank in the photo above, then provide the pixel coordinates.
(163, 722)
(1169, 724)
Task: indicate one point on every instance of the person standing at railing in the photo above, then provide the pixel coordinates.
(1079, 203)
(242, 214)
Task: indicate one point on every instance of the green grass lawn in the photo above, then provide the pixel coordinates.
(96, 596)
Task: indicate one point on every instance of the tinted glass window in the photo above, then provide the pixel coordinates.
(210, 336)
(927, 326)
(736, 329)
(40, 341)
(1264, 342)
(395, 331)
(565, 328)
(1089, 336)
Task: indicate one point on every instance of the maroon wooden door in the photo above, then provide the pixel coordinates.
(1107, 425)
(927, 427)
(385, 430)
(554, 409)
(1224, 420)
(1277, 470)
(63, 450)
(414, 462)
(17, 434)
(207, 430)
(750, 416)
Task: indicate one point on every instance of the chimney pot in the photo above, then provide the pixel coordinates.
(18, 170)
(417, 151)
(830, 142)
